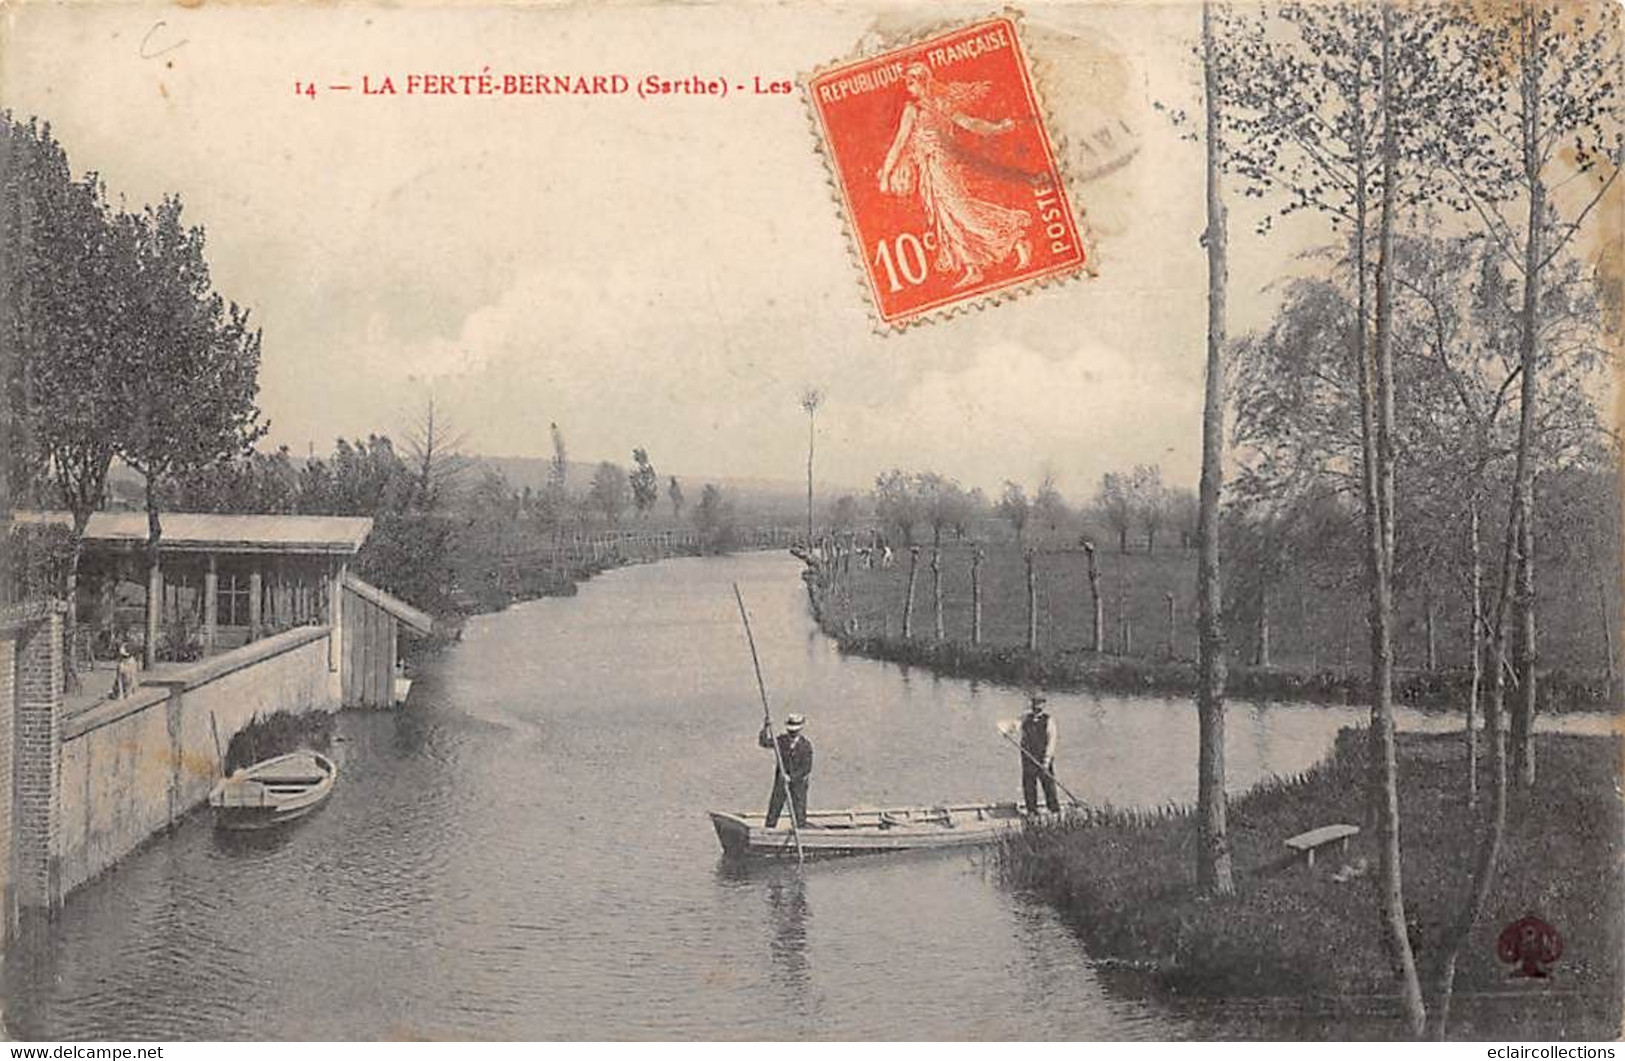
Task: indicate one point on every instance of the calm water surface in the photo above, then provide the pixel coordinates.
(522, 852)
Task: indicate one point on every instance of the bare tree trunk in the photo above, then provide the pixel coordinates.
(811, 435)
(936, 589)
(1429, 629)
(1380, 529)
(1607, 630)
(1261, 650)
(70, 633)
(908, 602)
(1491, 837)
(976, 596)
(1172, 624)
(1213, 868)
(1475, 643)
(1032, 605)
(155, 578)
(1098, 630)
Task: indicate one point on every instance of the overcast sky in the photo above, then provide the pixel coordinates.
(667, 274)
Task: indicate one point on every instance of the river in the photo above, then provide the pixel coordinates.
(522, 851)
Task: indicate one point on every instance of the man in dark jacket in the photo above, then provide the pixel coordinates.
(796, 757)
(1038, 756)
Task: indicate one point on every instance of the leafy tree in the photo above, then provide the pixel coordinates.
(554, 504)
(844, 516)
(1115, 503)
(66, 304)
(192, 377)
(714, 520)
(1049, 507)
(1543, 113)
(363, 478)
(1327, 99)
(1015, 508)
(674, 494)
(1150, 502)
(255, 482)
(1546, 114)
(1184, 515)
(975, 507)
(609, 491)
(942, 503)
(897, 503)
(644, 482)
(492, 499)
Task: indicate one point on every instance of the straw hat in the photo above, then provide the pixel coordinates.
(794, 723)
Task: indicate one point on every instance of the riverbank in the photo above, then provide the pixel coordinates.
(489, 575)
(489, 582)
(862, 611)
(1309, 936)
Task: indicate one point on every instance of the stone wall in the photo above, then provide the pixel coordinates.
(133, 767)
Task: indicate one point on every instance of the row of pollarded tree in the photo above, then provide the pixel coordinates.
(1126, 503)
(1430, 359)
(116, 344)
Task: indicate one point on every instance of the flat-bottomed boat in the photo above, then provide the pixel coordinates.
(274, 791)
(868, 830)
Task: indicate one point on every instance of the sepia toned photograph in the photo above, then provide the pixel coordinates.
(1087, 520)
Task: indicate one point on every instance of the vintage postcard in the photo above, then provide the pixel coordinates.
(795, 521)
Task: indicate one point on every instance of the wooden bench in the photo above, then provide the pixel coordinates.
(1308, 843)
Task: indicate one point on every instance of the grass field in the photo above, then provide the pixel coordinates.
(1127, 885)
(1311, 628)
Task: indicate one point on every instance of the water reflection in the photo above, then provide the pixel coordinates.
(789, 913)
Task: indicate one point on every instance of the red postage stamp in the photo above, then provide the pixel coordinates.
(946, 172)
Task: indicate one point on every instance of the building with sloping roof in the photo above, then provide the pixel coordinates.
(225, 580)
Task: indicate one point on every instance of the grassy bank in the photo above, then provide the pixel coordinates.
(1317, 637)
(1126, 882)
(488, 577)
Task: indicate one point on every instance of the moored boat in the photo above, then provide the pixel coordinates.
(274, 791)
(868, 830)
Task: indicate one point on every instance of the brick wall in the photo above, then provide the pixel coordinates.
(37, 752)
(78, 794)
(30, 758)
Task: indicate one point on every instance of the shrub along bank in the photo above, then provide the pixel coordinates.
(1310, 938)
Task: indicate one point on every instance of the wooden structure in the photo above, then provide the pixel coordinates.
(372, 621)
(1308, 843)
(224, 580)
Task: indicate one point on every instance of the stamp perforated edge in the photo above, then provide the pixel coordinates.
(1056, 144)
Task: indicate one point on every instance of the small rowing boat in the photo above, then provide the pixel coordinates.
(272, 792)
(868, 830)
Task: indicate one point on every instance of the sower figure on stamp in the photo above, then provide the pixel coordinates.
(971, 234)
(796, 753)
(1038, 756)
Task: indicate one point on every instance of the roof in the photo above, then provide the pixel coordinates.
(208, 532)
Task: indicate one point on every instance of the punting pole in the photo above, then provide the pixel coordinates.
(1076, 802)
(767, 720)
